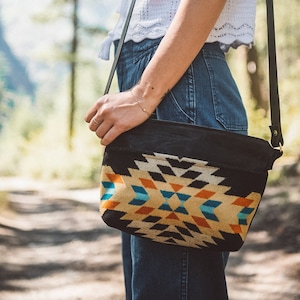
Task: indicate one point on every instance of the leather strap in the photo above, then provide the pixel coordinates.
(119, 48)
(276, 132)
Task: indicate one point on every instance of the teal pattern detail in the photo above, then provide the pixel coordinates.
(109, 190)
(141, 196)
(244, 214)
(208, 208)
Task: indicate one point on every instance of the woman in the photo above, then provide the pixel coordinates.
(172, 63)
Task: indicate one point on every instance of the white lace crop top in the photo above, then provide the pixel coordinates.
(151, 19)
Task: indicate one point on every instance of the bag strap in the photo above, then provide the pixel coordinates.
(119, 48)
(276, 132)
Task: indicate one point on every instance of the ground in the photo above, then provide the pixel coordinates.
(54, 246)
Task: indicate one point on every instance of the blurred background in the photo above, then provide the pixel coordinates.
(50, 75)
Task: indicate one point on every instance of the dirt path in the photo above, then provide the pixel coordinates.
(54, 246)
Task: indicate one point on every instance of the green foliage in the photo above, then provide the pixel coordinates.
(287, 22)
(33, 141)
(18, 131)
(30, 148)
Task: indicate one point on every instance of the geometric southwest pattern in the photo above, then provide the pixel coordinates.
(179, 201)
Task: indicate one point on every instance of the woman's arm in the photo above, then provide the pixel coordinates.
(113, 114)
(186, 36)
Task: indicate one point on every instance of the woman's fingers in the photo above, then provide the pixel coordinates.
(114, 114)
(103, 128)
(94, 123)
(107, 131)
(110, 135)
(95, 108)
(91, 113)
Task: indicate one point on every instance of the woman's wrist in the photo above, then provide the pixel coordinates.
(147, 96)
(140, 103)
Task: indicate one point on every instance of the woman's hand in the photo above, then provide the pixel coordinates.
(114, 114)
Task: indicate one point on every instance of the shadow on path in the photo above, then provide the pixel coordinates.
(55, 246)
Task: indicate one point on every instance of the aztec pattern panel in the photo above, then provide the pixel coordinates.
(179, 201)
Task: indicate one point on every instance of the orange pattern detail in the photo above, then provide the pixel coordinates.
(172, 216)
(115, 178)
(201, 222)
(236, 228)
(147, 183)
(145, 210)
(244, 202)
(176, 187)
(109, 204)
(205, 194)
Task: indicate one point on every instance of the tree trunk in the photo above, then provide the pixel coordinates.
(73, 65)
(255, 80)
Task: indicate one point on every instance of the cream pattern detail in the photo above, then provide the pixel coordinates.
(151, 19)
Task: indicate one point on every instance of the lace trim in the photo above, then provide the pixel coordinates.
(234, 27)
(228, 36)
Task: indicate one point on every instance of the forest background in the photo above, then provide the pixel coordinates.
(50, 75)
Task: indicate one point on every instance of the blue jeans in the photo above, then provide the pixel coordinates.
(206, 95)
